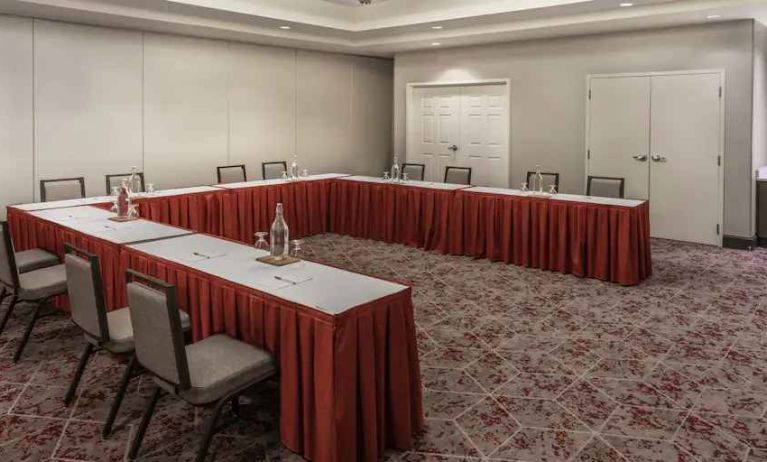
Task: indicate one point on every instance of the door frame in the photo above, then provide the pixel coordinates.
(722, 101)
(412, 86)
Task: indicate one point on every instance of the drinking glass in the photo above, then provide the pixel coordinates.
(404, 177)
(295, 250)
(284, 175)
(305, 173)
(386, 176)
(261, 243)
(524, 187)
(150, 188)
(552, 189)
(115, 191)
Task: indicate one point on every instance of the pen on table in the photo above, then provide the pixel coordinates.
(284, 280)
(198, 254)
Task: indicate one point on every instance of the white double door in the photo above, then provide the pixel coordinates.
(663, 134)
(461, 126)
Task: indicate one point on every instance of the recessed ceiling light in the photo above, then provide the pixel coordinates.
(714, 16)
(625, 4)
(285, 27)
(435, 44)
(436, 27)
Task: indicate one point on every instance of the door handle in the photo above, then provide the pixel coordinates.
(657, 158)
(453, 147)
(640, 157)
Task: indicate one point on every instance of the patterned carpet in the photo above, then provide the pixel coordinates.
(517, 364)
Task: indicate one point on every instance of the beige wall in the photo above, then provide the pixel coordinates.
(548, 98)
(80, 100)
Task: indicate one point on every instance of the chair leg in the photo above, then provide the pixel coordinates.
(27, 333)
(210, 429)
(78, 373)
(119, 396)
(148, 411)
(8, 312)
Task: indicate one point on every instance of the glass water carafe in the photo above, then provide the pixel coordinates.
(278, 235)
(538, 180)
(134, 181)
(294, 168)
(395, 170)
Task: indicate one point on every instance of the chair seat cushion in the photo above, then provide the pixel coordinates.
(43, 283)
(219, 365)
(30, 260)
(121, 330)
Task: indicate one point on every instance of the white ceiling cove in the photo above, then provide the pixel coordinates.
(386, 27)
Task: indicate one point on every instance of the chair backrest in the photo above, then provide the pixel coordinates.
(9, 275)
(231, 174)
(458, 175)
(157, 328)
(605, 186)
(85, 290)
(62, 189)
(273, 170)
(549, 178)
(414, 171)
(117, 178)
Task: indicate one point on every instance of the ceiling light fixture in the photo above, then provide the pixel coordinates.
(436, 27)
(625, 4)
(714, 16)
(285, 27)
(435, 44)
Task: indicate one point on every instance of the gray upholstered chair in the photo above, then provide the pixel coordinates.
(414, 171)
(213, 371)
(37, 286)
(111, 331)
(549, 179)
(605, 186)
(458, 175)
(231, 174)
(62, 189)
(26, 261)
(116, 179)
(273, 170)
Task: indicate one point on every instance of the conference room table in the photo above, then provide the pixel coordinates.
(345, 343)
(415, 213)
(90, 229)
(249, 206)
(595, 237)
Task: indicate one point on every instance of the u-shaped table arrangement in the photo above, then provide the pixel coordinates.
(345, 342)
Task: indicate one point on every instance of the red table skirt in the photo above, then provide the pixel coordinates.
(30, 232)
(201, 212)
(350, 384)
(409, 215)
(589, 240)
(249, 210)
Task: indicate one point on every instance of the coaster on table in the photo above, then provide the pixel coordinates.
(278, 261)
(123, 219)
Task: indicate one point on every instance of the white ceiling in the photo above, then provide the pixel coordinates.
(386, 26)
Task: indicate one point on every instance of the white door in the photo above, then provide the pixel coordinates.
(434, 131)
(484, 134)
(462, 126)
(685, 131)
(619, 131)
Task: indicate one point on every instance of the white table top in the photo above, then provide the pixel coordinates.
(414, 183)
(559, 197)
(61, 204)
(256, 183)
(95, 222)
(177, 192)
(327, 289)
